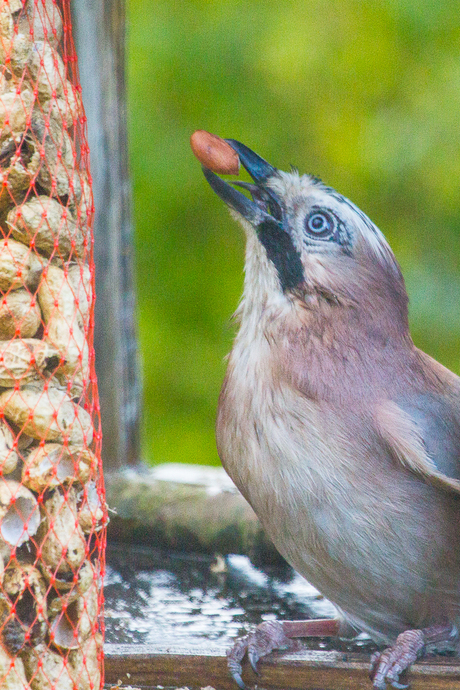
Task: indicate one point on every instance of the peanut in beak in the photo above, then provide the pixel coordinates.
(214, 153)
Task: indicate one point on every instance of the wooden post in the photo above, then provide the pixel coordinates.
(99, 34)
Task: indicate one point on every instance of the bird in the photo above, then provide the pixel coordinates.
(342, 435)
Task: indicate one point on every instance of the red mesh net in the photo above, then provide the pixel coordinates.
(52, 507)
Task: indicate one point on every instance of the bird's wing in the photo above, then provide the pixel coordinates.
(422, 430)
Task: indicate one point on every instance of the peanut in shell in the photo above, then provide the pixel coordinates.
(8, 454)
(80, 281)
(9, 14)
(19, 51)
(20, 162)
(63, 545)
(23, 360)
(84, 663)
(19, 266)
(83, 205)
(66, 108)
(47, 414)
(46, 71)
(67, 588)
(16, 109)
(42, 20)
(19, 316)
(57, 173)
(91, 512)
(19, 514)
(46, 669)
(70, 630)
(49, 226)
(26, 588)
(57, 301)
(12, 672)
(53, 464)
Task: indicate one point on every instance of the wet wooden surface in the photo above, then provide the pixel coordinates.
(308, 670)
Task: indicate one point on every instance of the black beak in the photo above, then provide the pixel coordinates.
(256, 211)
(259, 169)
(264, 212)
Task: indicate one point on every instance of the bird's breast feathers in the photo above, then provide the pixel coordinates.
(325, 480)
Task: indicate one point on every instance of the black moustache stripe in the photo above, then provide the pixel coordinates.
(282, 253)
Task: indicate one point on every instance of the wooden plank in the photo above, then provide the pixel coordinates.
(145, 666)
(99, 32)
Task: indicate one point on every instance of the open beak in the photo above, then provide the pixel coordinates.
(264, 204)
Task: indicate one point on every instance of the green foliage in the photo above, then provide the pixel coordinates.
(363, 94)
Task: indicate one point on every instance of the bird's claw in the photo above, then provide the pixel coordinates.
(388, 666)
(253, 657)
(234, 657)
(266, 637)
(239, 681)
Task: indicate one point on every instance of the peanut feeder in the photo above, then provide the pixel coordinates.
(52, 510)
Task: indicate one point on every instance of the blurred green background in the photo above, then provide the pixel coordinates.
(363, 94)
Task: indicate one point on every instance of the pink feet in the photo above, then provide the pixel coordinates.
(273, 635)
(388, 666)
(265, 638)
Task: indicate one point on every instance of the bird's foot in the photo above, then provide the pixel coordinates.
(273, 635)
(391, 665)
(387, 666)
(263, 640)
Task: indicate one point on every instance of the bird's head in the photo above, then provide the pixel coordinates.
(311, 250)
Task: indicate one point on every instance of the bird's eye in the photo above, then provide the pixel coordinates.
(320, 224)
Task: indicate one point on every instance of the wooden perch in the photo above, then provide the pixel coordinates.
(308, 670)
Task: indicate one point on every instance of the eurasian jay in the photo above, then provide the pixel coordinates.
(341, 434)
